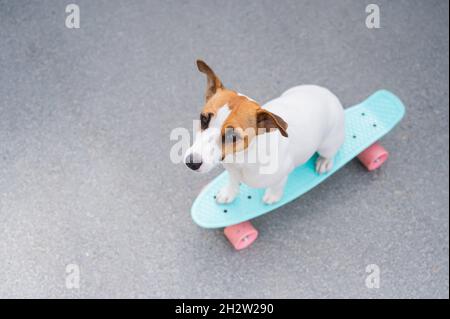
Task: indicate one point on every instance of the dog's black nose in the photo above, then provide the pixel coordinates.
(193, 161)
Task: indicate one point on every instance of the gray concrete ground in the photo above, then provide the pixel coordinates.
(85, 175)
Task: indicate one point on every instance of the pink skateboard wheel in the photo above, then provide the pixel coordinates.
(373, 157)
(241, 235)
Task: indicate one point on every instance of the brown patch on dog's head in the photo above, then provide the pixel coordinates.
(238, 129)
(246, 120)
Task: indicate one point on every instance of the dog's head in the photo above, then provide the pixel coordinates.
(228, 123)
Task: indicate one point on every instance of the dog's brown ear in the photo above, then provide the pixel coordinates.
(213, 82)
(267, 120)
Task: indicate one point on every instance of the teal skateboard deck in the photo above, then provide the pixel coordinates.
(365, 124)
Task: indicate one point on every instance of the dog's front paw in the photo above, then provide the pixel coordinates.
(323, 165)
(271, 196)
(227, 194)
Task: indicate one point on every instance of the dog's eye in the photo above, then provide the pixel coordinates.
(204, 120)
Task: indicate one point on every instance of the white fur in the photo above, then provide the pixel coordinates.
(315, 119)
(240, 94)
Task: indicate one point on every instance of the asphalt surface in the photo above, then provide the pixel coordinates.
(85, 173)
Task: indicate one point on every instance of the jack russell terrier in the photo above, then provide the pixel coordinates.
(304, 120)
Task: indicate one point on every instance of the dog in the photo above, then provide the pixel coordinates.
(304, 120)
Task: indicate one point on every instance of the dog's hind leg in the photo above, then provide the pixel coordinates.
(324, 164)
(327, 151)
